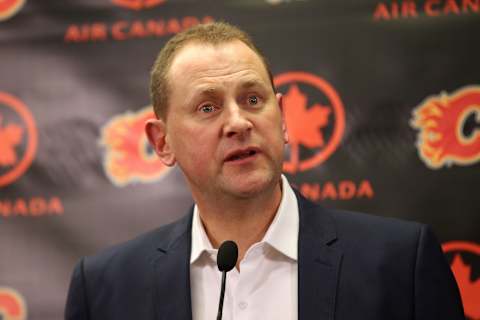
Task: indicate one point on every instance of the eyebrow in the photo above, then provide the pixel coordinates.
(212, 92)
(252, 83)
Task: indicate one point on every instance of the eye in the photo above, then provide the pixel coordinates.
(207, 108)
(252, 100)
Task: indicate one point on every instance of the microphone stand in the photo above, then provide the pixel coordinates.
(222, 295)
(226, 259)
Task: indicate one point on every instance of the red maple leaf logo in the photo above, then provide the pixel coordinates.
(469, 290)
(304, 123)
(10, 136)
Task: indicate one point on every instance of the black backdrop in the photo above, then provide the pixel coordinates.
(382, 104)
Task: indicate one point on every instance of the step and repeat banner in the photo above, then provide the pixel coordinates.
(382, 104)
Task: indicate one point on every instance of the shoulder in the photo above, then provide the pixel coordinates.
(355, 229)
(103, 282)
(399, 261)
(376, 240)
(139, 250)
(370, 226)
(367, 242)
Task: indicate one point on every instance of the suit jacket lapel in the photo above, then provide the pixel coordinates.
(318, 267)
(171, 264)
(318, 263)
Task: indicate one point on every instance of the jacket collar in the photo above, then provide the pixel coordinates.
(318, 266)
(319, 262)
(171, 294)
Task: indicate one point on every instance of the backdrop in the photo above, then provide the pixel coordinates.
(382, 103)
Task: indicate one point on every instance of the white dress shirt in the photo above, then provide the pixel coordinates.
(266, 286)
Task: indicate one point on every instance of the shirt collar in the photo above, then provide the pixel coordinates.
(283, 231)
(282, 234)
(200, 241)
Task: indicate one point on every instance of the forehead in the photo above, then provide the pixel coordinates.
(199, 63)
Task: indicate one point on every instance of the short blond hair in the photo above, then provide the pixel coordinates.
(212, 33)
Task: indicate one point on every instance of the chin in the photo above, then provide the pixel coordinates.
(250, 186)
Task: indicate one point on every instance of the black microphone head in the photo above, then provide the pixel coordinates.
(227, 256)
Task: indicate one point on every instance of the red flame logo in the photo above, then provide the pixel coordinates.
(442, 121)
(128, 158)
(12, 305)
(8, 8)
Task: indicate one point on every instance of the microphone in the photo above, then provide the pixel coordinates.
(226, 260)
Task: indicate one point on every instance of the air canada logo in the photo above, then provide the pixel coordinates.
(128, 156)
(411, 9)
(138, 4)
(315, 119)
(449, 128)
(465, 256)
(8, 8)
(12, 305)
(18, 138)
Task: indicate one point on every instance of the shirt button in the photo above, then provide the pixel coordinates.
(243, 305)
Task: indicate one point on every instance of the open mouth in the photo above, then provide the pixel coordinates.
(241, 155)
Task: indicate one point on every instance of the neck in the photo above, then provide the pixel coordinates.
(244, 221)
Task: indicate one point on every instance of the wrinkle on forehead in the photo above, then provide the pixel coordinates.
(222, 54)
(244, 78)
(217, 65)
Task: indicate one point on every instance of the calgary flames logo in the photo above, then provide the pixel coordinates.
(462, 269)
(449, 128)
(8, 8)
(314, 128)
(12, 305)
(138, 4)
(18, 138)
(128, 158)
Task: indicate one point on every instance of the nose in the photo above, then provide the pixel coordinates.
(236, 122)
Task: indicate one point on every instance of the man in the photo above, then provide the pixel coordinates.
(220, 120)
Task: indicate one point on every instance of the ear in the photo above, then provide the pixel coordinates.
(157, 136)
(284, 125)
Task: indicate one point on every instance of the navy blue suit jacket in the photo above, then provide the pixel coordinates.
(350, 266)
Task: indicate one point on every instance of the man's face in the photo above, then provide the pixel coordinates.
(224, 125)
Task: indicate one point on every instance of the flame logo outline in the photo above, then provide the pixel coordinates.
(440, 120)
(126, 160)
(12, 304)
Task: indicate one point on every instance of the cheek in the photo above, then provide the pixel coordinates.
(274, 137)
(193, 145)
(276, 123)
